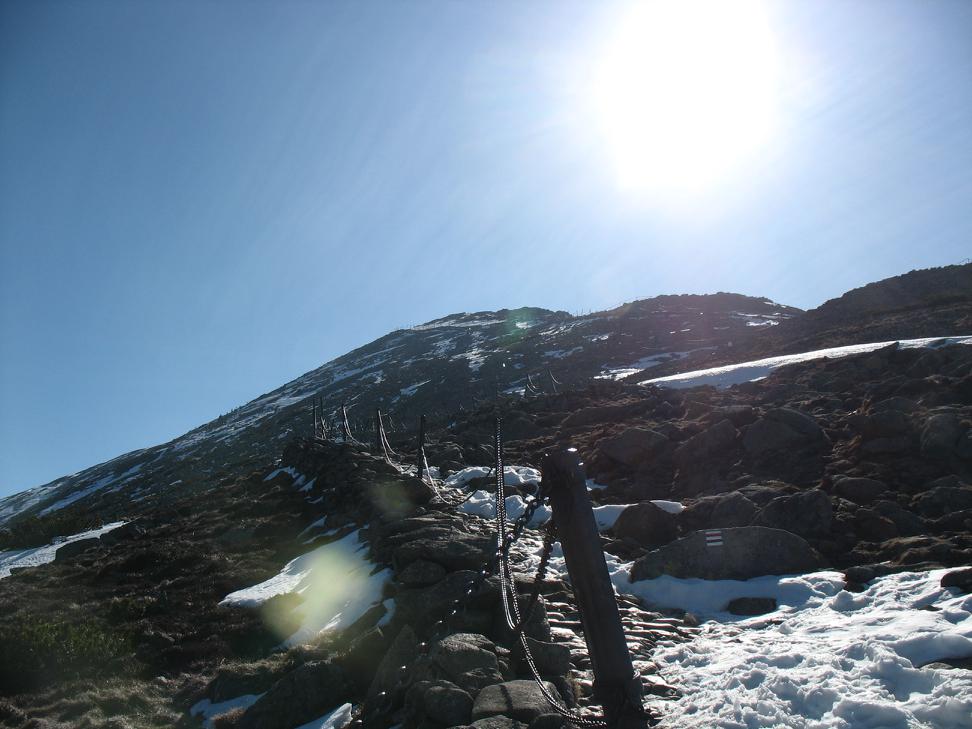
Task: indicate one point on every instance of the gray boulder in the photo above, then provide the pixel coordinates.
(859, 490)
(459, 653)
(73, 549)
(729, 554)
(722, 510)
(454, 551)
(940, 436)
(942, 500)
(646, 524)
(710, 443)
(304, 693)
(421, 573)
(441, 702)
(783, 428)
(633, 447)
(520, 700)
(809, 513)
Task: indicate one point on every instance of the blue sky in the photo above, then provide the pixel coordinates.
(202, 200)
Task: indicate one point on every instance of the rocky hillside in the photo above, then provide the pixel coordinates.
(253, 576)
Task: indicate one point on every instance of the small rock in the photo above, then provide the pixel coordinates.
(752, 605)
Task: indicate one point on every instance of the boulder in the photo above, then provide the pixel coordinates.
(73, 549)
(460, 653)
(940, 436)
(552, 659)
(646, 524)
(401, 652)
(859, 490)
(604, 414)
(783, 428)
(723, 510)
(454, 551)
(738, 415)
(884, 424)
(962, 579)
(752, 605)
(907, 523)
(809, 513)
(729, 554)
(520, 700)
(897, 403)
(298, 697)
(710, 443)
(421, 606)
(498, 722)
(872, 527)
(942, 500)
(421, 573)
(442, 702)
(633, 447)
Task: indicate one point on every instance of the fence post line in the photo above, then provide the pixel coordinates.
(616, 685)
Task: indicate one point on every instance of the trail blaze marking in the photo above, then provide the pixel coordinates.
(713, 537)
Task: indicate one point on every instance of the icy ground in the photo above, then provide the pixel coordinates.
(42, 555)
(758, 369)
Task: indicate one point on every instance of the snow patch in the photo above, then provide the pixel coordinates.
(43, 555)
(336, 719)
(337, 582)
(758, 369)
(209, 710)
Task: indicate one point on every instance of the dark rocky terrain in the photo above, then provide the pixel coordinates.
(864, 463)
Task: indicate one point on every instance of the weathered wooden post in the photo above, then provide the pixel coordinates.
(616, 685)
(421, 463)
(346, 426)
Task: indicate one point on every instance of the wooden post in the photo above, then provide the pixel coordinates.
(345, 425)
(616, 685)
(421, 448)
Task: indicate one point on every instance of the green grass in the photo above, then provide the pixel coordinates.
(36, 651)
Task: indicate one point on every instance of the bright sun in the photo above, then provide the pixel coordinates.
(686, 91)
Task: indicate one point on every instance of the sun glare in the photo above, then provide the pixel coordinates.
(686, 90)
